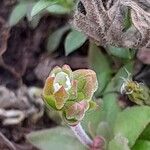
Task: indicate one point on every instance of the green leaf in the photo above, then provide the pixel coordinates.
(29, 9)
(92, 119)
(116, 82)
(131, 122)
(40, 6)
(104, 130)
(124, 53)
(18, 13)
(101, 65)
(111, 109)
(55, 38)
(74, 40)
(54, 116)
(59, 138)
(58, 9)
(110, 98)
(35, 21)
(118, 143)
(141, 145)
(146, 133)
(106, 112)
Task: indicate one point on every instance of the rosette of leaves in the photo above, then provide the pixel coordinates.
(70, 92)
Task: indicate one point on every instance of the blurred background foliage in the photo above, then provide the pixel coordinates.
(35, 10)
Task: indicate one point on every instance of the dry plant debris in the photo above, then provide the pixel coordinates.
(122, 23)
(16, 106)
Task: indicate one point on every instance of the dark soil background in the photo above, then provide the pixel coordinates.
(24, 61)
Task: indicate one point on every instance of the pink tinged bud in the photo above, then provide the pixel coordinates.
(70, 92)
(87, 82)
(75, 111)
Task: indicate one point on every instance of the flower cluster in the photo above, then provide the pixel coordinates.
(70, 92)
(137, 92)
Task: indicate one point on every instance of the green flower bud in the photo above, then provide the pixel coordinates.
(137, 92)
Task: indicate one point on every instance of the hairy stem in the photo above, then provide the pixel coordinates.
(81, 135)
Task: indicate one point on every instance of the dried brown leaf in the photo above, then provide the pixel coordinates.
(104, 22)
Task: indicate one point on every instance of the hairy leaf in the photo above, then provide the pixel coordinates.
(141, 145)
(55, 38)
(18, 13)
(101, 65)
(58, 9)
(118, 143)
(131, 123)
(124, 53)
(40, 6)
(55, 138)
(73, 41)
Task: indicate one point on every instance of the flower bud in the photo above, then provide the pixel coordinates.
(58, 87)
(74, 112)
(137, 92)
(86, 83)
(70, 92)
